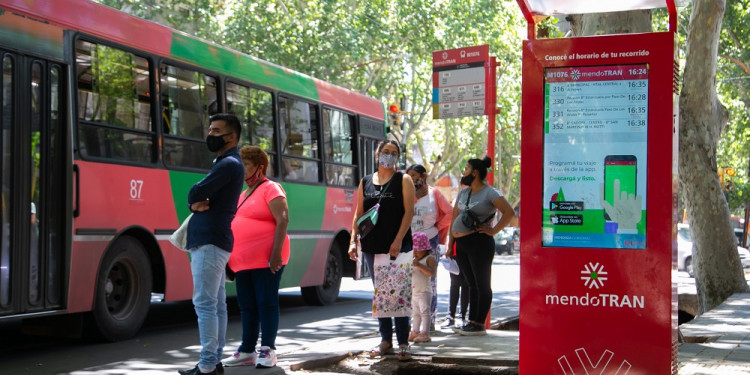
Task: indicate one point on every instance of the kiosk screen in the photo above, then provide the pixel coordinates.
(595, 138)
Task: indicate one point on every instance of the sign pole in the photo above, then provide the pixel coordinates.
(491, 110)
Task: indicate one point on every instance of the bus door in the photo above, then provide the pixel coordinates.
(32, 166)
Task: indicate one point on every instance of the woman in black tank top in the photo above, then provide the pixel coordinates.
(392, 233)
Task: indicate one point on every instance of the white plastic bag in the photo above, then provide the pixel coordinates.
(450, 265)
(179, 237)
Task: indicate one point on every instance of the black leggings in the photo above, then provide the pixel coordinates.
(474, 255)
(458, 287)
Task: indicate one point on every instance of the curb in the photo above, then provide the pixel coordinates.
(324, 361)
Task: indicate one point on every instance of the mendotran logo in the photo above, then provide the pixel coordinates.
(594, 276)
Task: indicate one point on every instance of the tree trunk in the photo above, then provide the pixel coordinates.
(634, 21)
(717, 267)
(718, 271)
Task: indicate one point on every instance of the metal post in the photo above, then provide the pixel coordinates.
(491, 111)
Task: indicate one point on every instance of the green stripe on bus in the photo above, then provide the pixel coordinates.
(181, 183)
(299, 260)
(306, 205)
(242, 66)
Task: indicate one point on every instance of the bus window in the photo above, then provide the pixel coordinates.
(37, 84)
(367, 154)
(114, 105)
(299, 138)
(6, 121)
(338, 147)
(188, 98)
(255, 110)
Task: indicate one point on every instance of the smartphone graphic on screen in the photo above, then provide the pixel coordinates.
(623, 168)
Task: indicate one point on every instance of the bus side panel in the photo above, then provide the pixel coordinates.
(349, 100)
(84, 264)
(337, 216)
(341, 205)
(306, 204)
(179, 277)
(98, 20)
(114, 198)
(306, 256)
(117, 196)
(31, 35)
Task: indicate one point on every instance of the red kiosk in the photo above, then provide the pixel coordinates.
(599, 187)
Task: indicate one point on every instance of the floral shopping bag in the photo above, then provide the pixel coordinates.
(392, 296)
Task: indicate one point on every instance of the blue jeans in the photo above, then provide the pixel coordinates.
(385, 325)
(434, 242)
(258, 298)
(207, 263)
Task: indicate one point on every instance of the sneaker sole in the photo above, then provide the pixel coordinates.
(244, 363)
(264, 366)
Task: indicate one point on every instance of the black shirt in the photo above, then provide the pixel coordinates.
(389, 215)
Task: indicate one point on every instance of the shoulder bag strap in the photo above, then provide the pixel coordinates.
(385, 187)
(251, 193)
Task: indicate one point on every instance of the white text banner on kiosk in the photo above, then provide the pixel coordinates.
(595, 141)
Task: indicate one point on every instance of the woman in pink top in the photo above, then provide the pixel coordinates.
(261, 250)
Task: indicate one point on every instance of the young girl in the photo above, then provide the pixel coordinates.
(423, 268)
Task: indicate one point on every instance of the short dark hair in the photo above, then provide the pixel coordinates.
(232, 122)
(480, 166)
(419, 168)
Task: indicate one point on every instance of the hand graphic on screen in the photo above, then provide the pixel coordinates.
(625, 209)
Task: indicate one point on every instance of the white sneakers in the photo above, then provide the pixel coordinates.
(241, 359)
(266, 358)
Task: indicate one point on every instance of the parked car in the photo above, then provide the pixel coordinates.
(685, 251)
(506, 241)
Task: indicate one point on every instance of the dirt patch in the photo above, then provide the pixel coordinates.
(418, 365)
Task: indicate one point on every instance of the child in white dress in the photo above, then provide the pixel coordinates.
(424, 266)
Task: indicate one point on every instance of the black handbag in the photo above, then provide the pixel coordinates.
(469, 218)
(366, 223)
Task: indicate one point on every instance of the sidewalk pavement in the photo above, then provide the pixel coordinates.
(718, 343)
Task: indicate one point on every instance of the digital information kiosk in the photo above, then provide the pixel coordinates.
(598, 200)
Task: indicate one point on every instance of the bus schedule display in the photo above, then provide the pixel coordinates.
(458, 82)
(595, 141)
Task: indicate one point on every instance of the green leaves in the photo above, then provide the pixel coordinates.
(382, 48)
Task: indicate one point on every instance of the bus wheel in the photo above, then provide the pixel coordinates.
(327, 293)
(123, 290)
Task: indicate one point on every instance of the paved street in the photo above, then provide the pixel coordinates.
(169, 340)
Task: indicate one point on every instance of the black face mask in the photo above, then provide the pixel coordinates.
(468, 179)
(418, 184)
(215, 142)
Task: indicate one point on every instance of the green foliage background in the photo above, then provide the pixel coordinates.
(383, 48)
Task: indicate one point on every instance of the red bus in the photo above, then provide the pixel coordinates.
(104, 117)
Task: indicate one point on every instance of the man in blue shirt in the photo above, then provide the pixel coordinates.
(213, 201)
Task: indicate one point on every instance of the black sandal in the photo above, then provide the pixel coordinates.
(381, 350)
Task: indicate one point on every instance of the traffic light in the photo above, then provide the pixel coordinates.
(726, 183)
(395, 117)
